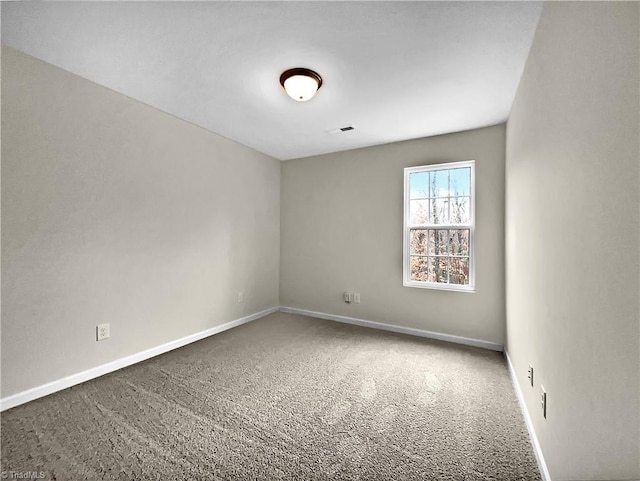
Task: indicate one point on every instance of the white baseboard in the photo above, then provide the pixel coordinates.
(542, 465)
(68, 381)
(400, 329)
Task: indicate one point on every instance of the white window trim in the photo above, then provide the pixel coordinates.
(406, 274)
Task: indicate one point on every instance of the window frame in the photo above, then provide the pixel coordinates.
(406, 237)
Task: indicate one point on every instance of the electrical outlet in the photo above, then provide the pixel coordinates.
(348, 297)
(356, 297)
(530, 374)
(103, 332)
(543, 402)
(240, 296)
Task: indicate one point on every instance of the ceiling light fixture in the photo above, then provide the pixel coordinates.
(301, 84)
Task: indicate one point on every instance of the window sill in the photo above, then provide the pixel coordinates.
(440, 287)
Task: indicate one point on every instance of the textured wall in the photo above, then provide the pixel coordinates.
(572, 238)
(342, 230)
(115, 212)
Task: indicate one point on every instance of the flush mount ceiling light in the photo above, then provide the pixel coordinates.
(300, 83)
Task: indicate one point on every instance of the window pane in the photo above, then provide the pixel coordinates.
(419, 268)
(431, 243)
(439, 181)
(460, 181)
(419, 241)
(418, 212)
(459, 242)
(440, 211)
(459, 270)
(431, 269)
(419, 185)
(460, 212)
(439, 243)
(440, 270)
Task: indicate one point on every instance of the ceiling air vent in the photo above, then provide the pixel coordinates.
(346, 128)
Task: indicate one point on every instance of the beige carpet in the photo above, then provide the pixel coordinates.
(284, 397)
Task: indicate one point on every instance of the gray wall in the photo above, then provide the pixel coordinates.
(572, 238)
(115, 212)
(341, 221)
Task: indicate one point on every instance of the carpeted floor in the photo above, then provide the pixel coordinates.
(284, 397)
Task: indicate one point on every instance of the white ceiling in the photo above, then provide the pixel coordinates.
(395, 70)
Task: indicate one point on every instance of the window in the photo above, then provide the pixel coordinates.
(438, 226)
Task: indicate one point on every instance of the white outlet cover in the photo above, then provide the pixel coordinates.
(103, 331)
